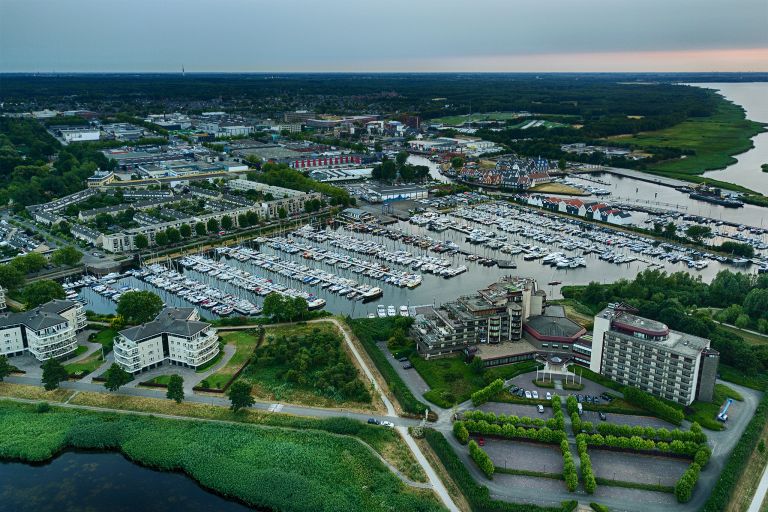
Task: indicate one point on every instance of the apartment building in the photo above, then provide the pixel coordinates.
(493, 315)
(176, 336)
(47, 331)
(3, 304)
(648, 355)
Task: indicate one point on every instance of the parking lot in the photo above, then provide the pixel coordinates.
(633, 467)
(516, 409)
(626, 419)
(525, 381)
(525, 456)
(543, 486)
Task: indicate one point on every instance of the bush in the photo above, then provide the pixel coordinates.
(686, 483)
(653, 405)
(569, 467)
(510, 431)
(597, 507)
(481, 396)
(42, 407)
(461, 432)
(702, 456)
(587, 474)
(482, 459)
(695, 435)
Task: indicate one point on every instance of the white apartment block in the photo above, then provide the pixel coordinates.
(3, 304)
(48, 331)
(176, 335)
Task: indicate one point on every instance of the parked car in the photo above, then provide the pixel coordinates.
(549, 395)
(407, 365)
(535, 394)
(528, 394)
(595, 400)
(481, 441)
(579, 398)
(402, 359)
(373, 421)
(387, 424)
(521, 393)
(513, 389)
(602, 416)
(540, 408)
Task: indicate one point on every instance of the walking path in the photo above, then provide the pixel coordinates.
(760, 493)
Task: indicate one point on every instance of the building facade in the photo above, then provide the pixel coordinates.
(493, 315)
(176, 336)
(46, 332)
(646, 354)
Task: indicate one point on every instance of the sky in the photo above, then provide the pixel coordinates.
(383, 35)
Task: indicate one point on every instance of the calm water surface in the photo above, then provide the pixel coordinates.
(753, 96)
(95, 482)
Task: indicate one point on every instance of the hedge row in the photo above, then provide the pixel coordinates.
(686, 483)
(508, 430)
(653, 405)
(587, 474)
(702, 456)
(569, 468)
(721, 495)
(482, 459)
(481, 396)
(460, 432)
(695, 434)
(478, 495)
(635, 443)
(517, 421)
(579, 426)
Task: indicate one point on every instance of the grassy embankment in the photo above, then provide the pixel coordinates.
(714, 140)
(82, 368)
(385, 441)
(263, 467)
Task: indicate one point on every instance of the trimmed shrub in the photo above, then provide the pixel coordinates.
(686, 483)
(702, 456)
(481, 396)
(482, 459)
(569, 467)
(461, 432)
(653, 405)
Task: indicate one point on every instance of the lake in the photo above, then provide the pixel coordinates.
(753, 97)
(92, 481)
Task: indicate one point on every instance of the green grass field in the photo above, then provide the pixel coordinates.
(86, 366)
(245, 343)
(714, 139)
(267, 468)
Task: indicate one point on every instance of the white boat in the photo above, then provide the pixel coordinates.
(391, 311)
(404, 311)
(381, 311)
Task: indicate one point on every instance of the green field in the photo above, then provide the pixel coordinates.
(705, 413)
(245, 343)
(714, 140)
(488, 116)
(86, 366)
(270, 468)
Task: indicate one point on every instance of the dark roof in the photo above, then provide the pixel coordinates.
(170, 321)
(553, 327)
(41, 317)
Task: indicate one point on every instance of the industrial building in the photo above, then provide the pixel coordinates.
(648, 355)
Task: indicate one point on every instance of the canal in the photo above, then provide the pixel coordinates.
(93, 481)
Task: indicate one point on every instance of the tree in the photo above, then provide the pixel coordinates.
(756, 303)
(40, 292)
(68, 255)
(161, 238)
(213, 225)
(240, 395)
(242, 220)
(669, 230)
(226, 222)
(561, 164)
(282, 213)
(53, 374)
(5, 367)
(141, 241)
(273, 306)
(139, 307)
(185, 230)
(377, 147)
(175, 388)
(173, 235)
(698, 233)
(457, 162)
(401, 158)
(200, 229)
(11, 277)
(116, 377)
